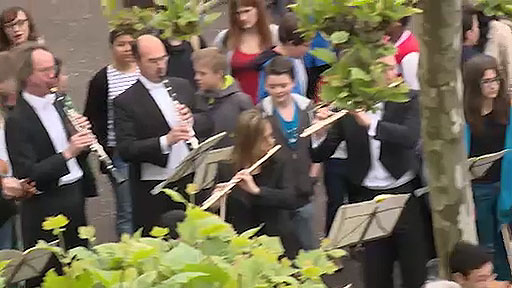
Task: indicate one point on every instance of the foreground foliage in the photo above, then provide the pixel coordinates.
(208, 254)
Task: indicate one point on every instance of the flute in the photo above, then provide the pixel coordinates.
(193, 141)
(232, 183)
(96, 147)
(329, 120)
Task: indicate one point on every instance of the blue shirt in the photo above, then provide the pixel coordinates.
(290, 128)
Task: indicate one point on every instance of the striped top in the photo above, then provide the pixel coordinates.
(118, 82)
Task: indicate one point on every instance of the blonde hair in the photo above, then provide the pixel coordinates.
(212, 58)
(249, 133)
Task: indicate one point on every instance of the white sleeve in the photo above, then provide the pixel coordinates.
(409, 67)
(164, 146)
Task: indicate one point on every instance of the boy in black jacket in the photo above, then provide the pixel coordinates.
(220, 91)
(288, 114)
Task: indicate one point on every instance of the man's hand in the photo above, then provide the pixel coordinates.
(362, 118)
(81, 122)
(322, 114)
(177, 134)
(13, 188)
(185, 114)
(247, 182)
(78, 143)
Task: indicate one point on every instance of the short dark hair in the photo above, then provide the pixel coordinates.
(280, 65)
(118, 32)
(467, 257)
(468, 13)
(405, 20)
(288, 30)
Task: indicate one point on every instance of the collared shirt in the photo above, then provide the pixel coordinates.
(378, 177)
(54, 126)
(177, 151)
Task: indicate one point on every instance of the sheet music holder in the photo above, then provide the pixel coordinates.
(478, 166)
(207, 170)
(190, 162)
(365, 221)
(24, 265)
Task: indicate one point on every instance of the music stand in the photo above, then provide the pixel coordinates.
(365, 221)
(189, 164)
(207, 170)
(479, 165)
(24, 265)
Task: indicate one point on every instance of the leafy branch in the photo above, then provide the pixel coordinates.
(355, 27)
(500, 8)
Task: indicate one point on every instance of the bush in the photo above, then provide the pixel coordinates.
(208, 254)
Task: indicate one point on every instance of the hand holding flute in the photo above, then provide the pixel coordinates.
(82, 140)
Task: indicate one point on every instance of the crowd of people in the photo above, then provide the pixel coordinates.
(259, 83)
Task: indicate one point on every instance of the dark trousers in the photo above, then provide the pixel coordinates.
(337, 188)
(407, 244)
(67, 200)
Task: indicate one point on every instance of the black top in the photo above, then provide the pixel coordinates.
(180, 61)
(468, 52)
(491, 140)
(272, 207)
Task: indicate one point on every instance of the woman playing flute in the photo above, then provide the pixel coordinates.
(265, 196)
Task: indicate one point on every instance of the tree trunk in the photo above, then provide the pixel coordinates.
(443, 126)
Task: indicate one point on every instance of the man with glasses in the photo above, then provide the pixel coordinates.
(43, 149)
(151, 130)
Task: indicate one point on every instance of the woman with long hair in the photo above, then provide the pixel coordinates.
(16, 27)
(249, 34)
(489, 130)
(264, 196)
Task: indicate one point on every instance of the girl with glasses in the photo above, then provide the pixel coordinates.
(489, 130)
(16, 27)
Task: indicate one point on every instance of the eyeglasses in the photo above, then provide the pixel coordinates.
(489, 81)
(19, 24)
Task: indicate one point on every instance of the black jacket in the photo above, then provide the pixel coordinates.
(139, 122)
(398, 132)
(96, 108)
(298, 159)
(32, 153)
(224, 107)
(180, 60)
(271, 207)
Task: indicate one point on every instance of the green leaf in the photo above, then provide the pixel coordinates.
(55, 223)
(209, 18)
(158, 232)
(175, 196)
(87, 232)
(339, 37)
(336, 253)
(145, 280)
(184, 277)
(359, 74)
(182, 255)
(251, 232)
(325, 55)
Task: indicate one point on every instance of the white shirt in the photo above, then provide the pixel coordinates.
(52, 123)
(179, 150)
(378, 177)
(409, 65)
(118, 82)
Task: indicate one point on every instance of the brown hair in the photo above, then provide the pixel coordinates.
(248, 136)
(288, 30)
(24, 60)
(212, 58)
(474, 70)
(7, 16)
(234, 35)
(6, 69)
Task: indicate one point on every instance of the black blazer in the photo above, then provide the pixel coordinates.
(96, 108)
(139, 122)
(32, 153)
(398, 131)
